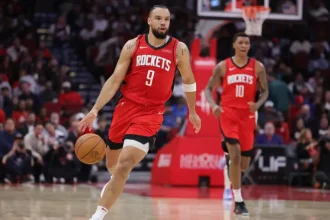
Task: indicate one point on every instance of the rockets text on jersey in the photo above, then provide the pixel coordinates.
(150, 76)
(239, 84)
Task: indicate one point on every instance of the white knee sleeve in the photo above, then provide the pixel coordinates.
(139, 145)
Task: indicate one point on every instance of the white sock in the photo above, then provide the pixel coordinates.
(226, 177)
(100, 213)
(238, 195)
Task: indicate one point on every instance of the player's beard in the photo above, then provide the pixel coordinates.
(159, 35)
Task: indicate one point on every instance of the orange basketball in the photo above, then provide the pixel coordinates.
(90, 148)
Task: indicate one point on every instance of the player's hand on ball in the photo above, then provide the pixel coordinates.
(253, 107)
(87, 121)
(216, 110)
(195, 121)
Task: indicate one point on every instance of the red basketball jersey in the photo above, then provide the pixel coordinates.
(150, 76)
(239, 84)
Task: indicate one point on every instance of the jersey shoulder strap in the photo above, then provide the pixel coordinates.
(175, 46)
(229, 64)
(137, 44)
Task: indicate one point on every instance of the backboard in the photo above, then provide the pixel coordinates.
(232, 9)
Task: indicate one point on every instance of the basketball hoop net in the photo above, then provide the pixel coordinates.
(254, 17)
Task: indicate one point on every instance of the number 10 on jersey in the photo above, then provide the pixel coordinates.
(239, 91)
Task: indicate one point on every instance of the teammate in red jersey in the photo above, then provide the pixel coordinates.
(146, 66)
(240, 76)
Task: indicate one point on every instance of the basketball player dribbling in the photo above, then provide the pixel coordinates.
(240, 76)
(146, 66)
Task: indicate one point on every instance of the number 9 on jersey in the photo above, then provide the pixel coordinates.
(150, 77)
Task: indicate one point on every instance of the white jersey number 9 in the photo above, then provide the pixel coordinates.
(239, 91)
(150, 77)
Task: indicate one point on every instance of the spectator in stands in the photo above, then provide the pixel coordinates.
(282, 129)
(48, 95)
(318, 60)
(322, 158)
(89, 32)
(6, 70)
(269, 137)
(37, 143)
(27, 82)
(42, 52)
(268, 114)
(301, 46)
(27, 94)
(305, 149)
(61, 33)
(7, 137)
(322, 128)
(279, 94)
(318, 11)
(317, 101)
(179, 111)
(52, 74)
(29, 124)
(299, 84)
(316, 82)
(16, 51)
(55, 119)
(308, 118)
(20, 114)
(69, 97)
(53, 136)
(6, 101)
(73, 131)
(18, 161)
(4, 82)
(299, 126)
(43, 116)
(60, 163)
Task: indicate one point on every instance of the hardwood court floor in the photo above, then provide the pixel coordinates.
(31, 202)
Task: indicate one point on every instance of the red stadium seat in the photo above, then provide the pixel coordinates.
(73, 108)
(52, 107)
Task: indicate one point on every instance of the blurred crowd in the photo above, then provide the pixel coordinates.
(39, 105)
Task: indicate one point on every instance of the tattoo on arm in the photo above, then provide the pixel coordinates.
(183, 51)
(129, 46)
(262, 80)
(263, 86)
(214, 80)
